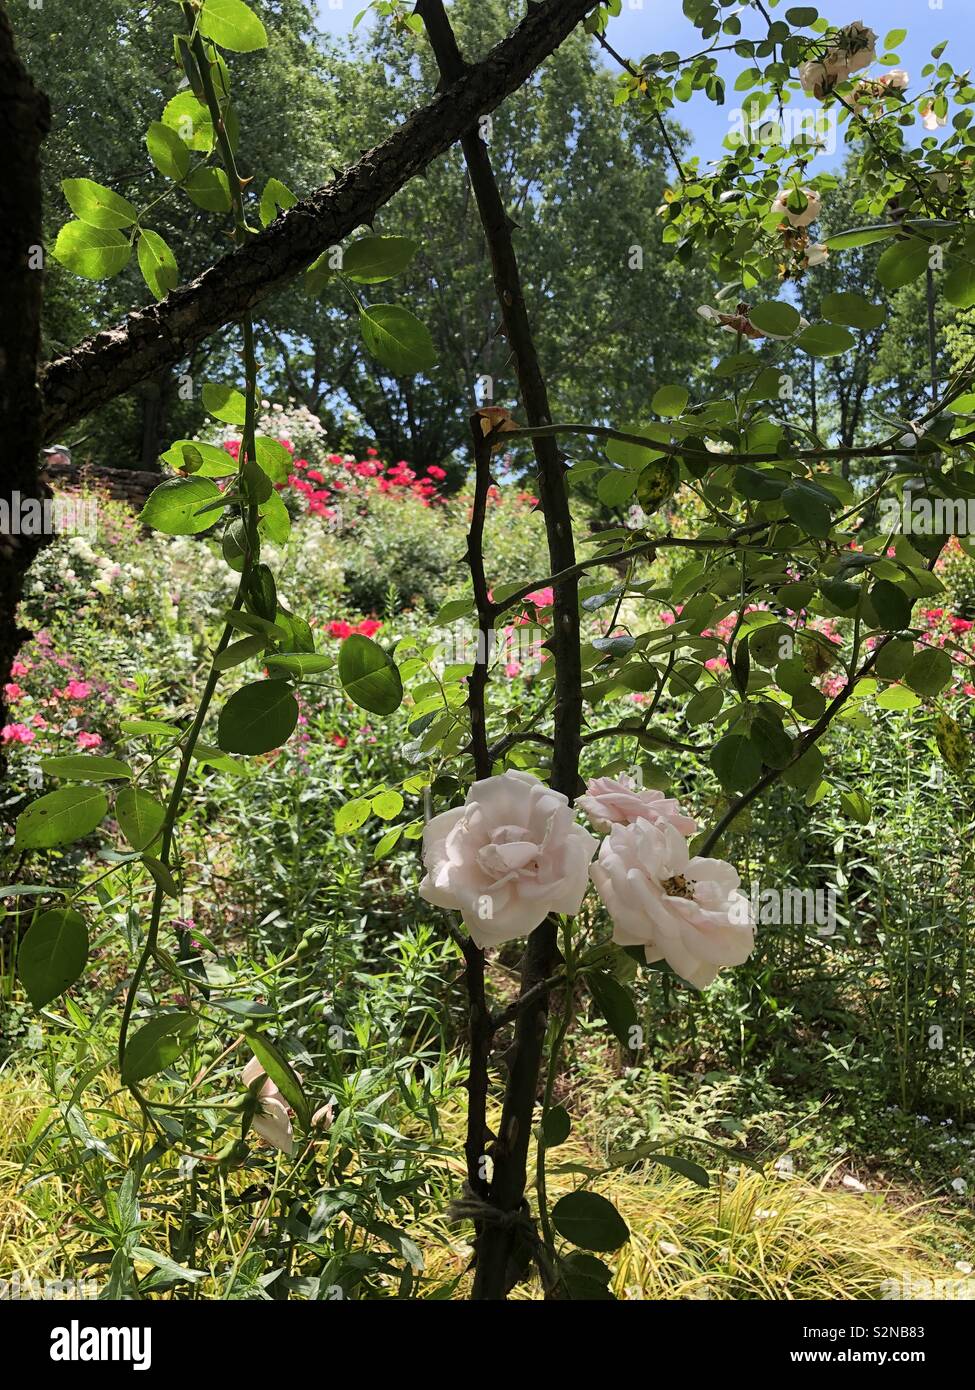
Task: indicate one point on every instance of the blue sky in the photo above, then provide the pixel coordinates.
(659, 25)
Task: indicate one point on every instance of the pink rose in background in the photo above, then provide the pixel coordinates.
(77, 690)
(608, 803)
(682, 910)
(17, 733)
(272, 1120)
(86, 740)
(13, 691)
(506, 858)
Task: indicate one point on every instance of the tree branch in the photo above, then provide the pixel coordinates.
(113, 361)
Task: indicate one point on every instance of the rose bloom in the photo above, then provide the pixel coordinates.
(799, 219)
(682, 910)
(272, 1120)
(608, 803)
(817, 253)
(505, 859)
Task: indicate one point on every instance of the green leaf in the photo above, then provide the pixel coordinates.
(808, 511)
(373, 259)
(95, 252)
(387, 805)
(929, 672)
(614, 1003)
(670, 401)
(617, 486)
(369, 676)
(952, 743)
(258, 718)
(167, 151)
(157, 263)
(161, 875)
(60, 817)
(173, 507)
(140, 816)
(156, 1045)
(353, 815)
(397, 339)
(825, 340)
(86, 767)
(190, 121)
(301, 663)
(856, 806)
(776, 317)
(899, 698)
(52, 955)
(209, 189)
(211, 462)
(736, 762)
(225, 403)
(852, 310)
(894, 658)
(895, 38)
(891, 605)
(589, 1221)
(97, 206)
(683, 1166)
(862, 236)
(902, 263)
(705, 705)
(276, 195)
(959, 283)
(281, 1073)
(239, 652)
(274, 458)
(233, 25)
(556, 1126)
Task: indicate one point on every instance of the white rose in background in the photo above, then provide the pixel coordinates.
(272, 1120)
(817, 253)
(608, 803)
(682, 910)
(505, 859)
(808, 214)
(855, 48)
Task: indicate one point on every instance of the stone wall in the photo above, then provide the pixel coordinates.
(129, 485)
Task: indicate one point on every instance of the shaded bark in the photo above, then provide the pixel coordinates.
(151, 339)
(24, 122)
(497, 1264)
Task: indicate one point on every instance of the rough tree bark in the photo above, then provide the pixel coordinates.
(112, 362)
(495, 1267)
(24, 121)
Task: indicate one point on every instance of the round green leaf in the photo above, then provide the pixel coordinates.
(617, 486)
(589, 1221)
(60, 817)
(736, 762)
(212, 462)
(98, 206)
(233, 25)
(95, 252)
(808, 511)
(670, 401)
(369, 677)
(190, 120)
(209, 189)
(157, 263)
(902, 263)
(397, 339)
(52, 955)
(852, 310)
(891, 605)
(167, 151)
(705, 705)
(174, 506)
(139, 815)
(373, 259)
(387, 805)
(899, 698)
(225, 403)
(929, 672)
(258, 717)
(825, 340)
(775, 317)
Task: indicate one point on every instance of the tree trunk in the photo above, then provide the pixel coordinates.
(24, 121)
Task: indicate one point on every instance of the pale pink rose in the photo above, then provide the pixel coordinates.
(682, 910)
(931, 120)
(817, 253)
(855, 48)
(899, 79)
(272, 1120)
(608, 803)
(505, 859)
(799, 219)
(814, 78)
